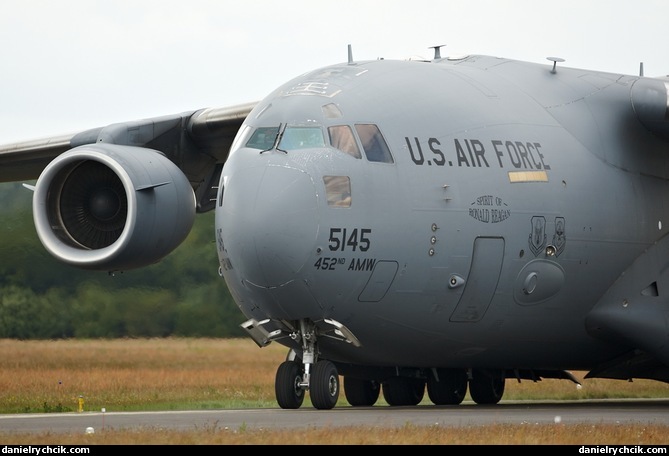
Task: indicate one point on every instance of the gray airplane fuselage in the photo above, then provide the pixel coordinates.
(494, 235)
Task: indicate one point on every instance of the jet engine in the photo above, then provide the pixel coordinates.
(111, 207)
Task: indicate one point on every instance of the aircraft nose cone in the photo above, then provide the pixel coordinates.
(270, 223)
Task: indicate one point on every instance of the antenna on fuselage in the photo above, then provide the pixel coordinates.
(350, 54)
(555, 60)
(437, 51)
(641, 69)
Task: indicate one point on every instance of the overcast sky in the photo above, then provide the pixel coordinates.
(69, 65)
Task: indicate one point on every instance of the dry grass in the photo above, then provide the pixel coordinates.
(131, 374)
(498, 434)
(169, 374)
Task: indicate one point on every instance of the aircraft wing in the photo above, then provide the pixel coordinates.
(196, 141)
(25, 160)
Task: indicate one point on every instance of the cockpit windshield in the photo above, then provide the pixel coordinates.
(341, 137)
(291, 138)
(263, 138)
(301, 138)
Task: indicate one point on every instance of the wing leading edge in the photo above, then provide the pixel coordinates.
(196, 141)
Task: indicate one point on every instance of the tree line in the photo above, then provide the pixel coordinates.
(41, 298)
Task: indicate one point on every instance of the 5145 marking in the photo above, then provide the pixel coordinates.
(357, 238)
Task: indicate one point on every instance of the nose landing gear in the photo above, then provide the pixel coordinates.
(298, 374)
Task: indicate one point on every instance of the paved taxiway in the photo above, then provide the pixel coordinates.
(466, 414)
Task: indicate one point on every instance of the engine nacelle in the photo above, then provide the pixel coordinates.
(109, 207)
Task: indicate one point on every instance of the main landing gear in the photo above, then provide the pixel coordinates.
(444, 387)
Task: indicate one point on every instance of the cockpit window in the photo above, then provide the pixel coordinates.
(373, 144)
(301, 138)
(341, 137)
(263, 138)
(338, 190)
(292, 138)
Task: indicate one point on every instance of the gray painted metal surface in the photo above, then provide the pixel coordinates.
(400, 222)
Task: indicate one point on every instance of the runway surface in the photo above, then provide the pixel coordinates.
(467, 414)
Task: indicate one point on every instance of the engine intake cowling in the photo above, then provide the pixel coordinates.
(110, 207)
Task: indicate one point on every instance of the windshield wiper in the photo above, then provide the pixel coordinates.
(277, 140)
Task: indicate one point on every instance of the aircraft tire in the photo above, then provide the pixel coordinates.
(289, 394)
(486, 387)
(450, 389)
(360, 392)
(324, 385)
(403, 390)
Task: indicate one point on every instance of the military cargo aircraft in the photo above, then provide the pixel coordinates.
(408, 226)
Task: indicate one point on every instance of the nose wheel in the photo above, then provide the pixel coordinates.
(289, 393)
(290, 387)
(324, 385)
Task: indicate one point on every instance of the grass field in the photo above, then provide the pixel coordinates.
(180, 374)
